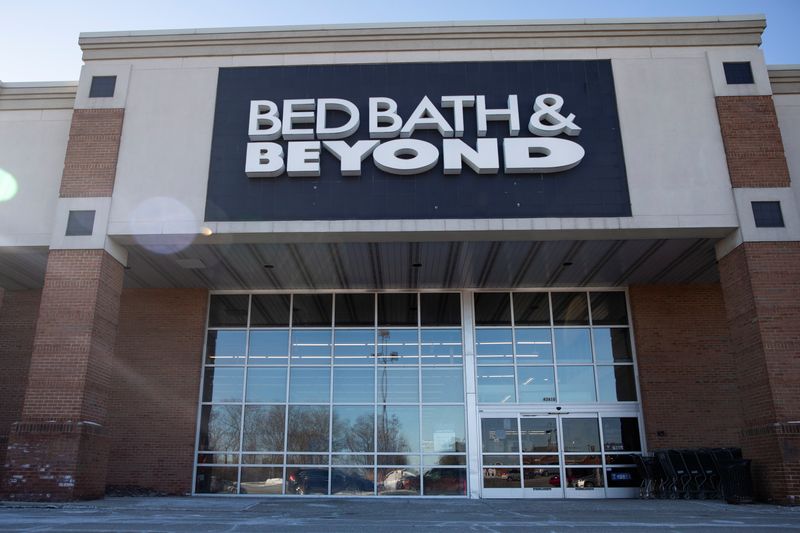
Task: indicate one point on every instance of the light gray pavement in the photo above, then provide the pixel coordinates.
(201, 514)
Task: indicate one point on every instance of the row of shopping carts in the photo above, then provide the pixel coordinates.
(702, 473)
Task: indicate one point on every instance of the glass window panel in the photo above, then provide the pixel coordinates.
(355, 310)
(531, 309)
(536, 384)
(496, 384)
(533, 346)
(308, 428)
(219, 428)
(573, 345)
(306, 459)
(398, 429)
(353, 428)
(228, 311)
(266, 385)
(312, 310)
(354, 385)
(311, 346)
(612, 345)
(353, 459)
(501, 460)
(444, 481)
(390, 459)
(216, 480)
(570, 309)
(542, 478)
(309, 385)
(576, 384)
(540, 460)
(623, 478)
(398, 482)
(304, 480)
(262, 480)
(621, 434)
(218, 458)
(354, 346)
(441, 346)
(443, 385)
(440, 309)
(397, 309)
(500, 435)
(398, 385)
(581, 435)
(262, 459)
(616, 383)
(443, 429)
(445, 460)
(352, 481)
(501, 478)
(268, 347)
(226, 347)
(492, 309)
(223, 384)
(270, 310)
(539, 434)
(582, 459)
(398, 346)
(263, 428)
(493, 345)
(609, 309)
(620, 458)
(585, 478)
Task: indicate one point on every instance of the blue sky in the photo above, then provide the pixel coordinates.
(39, 38)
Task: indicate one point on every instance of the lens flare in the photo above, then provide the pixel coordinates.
(157, 210)
(8, 186)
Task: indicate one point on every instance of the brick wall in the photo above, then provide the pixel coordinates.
(90, 165)
(753, 143)
(686, 372)
(153, 408)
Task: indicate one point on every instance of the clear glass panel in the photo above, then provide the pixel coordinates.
(262, 480)
(584, 478)
(226, 347)
(353, 428)
(609, 309)
(308, 428)
(398, 346)
(539, 434)
(354, 385)
(353, 459)
(309, 385)
(612, 345)
(623, 478)
(270, 310)
(352, 481)
(355, 310)
(390, 459)
(263, 428)
(441, 346)
(570, 309)
(398, 429)
(576, 384)
(266, 385)
(531, 309)
(216, 480)
(573, 345)
(582, 459)
(311, 346)
(493, 345)
(312, 310)
(496, 477)
(304, 480)
(492, 309)
(262, 459)
(219, 428)
(223, 384)
(445, 460)
(616, 383)
(533, 346)
(354, 346)
(500, 435)
(228, 311)
(397, 309)
(398, 385)
(621, 434)
(542, 478)
(440, 309)
(269, 347)
(306, 459)
(529, 460)
(536, 384)
(501, 460)
(443, 429)
(496, 384)
(218, 458)
(581, 435)
(444, 481)
(398, 482)
(619, 458)
(442, 385)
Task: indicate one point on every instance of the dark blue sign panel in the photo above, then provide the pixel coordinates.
(595, 187)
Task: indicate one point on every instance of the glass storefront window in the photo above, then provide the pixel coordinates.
(496, 384)
(266, 385)
(573, 345)
(576, 384)
(536, 384)
(309, 385)
(268, 347)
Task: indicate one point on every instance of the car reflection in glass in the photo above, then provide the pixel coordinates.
(315, 481)
(445, 481)
(400, 481)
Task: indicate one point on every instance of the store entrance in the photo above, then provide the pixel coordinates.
(573, 454)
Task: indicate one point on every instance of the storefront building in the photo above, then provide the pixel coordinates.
(465, 259)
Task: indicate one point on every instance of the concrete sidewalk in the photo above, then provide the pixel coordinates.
(201, 514)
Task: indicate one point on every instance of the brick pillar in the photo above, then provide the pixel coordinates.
(59, 448)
